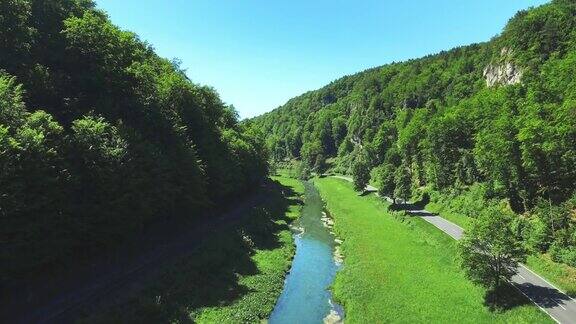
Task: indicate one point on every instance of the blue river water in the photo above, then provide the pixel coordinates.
(306, 297)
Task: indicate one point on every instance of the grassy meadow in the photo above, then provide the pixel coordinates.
(400, 269)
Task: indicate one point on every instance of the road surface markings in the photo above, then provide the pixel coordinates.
(536, 303)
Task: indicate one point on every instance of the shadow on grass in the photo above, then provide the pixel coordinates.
(209, 277)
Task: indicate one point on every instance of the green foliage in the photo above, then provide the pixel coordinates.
(97, 141)
(310, 152)
(402, 184)
(360, 174)
(490, 251)
(320, 165)
(462, 203)
(437, 118)
(12, 109)
(387, 180)
(124, 140)
(552, 228)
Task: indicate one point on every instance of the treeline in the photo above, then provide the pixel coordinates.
(494, 121)
(99, 136)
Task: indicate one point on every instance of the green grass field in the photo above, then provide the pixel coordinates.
(399, 269)
(236, 276)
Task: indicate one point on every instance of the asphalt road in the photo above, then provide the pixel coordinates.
(560, 307)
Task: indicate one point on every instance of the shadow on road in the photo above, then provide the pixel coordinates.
(413, 209)
(504, 299)
(544, 296)
(507, 297)
(421, 213)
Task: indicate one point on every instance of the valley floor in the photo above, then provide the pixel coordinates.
(234, 276)
(404, 269)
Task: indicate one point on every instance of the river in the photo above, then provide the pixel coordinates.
(306, 298)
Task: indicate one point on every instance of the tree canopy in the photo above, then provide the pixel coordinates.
(449, 121)
(100, 137)
(490, 252)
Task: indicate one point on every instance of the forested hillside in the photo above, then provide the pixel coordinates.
(99, 137)
(485, 124)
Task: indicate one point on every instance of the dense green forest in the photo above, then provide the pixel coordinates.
(480, 125)
(100, 137)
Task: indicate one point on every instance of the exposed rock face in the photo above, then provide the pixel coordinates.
(504, 73)
(355, 139)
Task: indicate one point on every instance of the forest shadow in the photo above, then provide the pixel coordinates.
(210, 276)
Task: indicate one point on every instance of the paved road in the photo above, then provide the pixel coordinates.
(550, 299)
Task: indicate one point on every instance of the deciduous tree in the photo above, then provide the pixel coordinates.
(490, 252)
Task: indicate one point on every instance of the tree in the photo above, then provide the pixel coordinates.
(387, 180)
(320, 164)
(490, 251)
(338, 130)
(360, 174)
(309, 152)
(403, 183)
(16, 35)
(126, 139)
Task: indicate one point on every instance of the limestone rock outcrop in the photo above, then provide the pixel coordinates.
(503, 73)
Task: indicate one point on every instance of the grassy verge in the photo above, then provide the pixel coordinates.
(404, 269)
(235, 276)
(561, 275)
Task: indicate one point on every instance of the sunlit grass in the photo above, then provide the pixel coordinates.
(403, 270)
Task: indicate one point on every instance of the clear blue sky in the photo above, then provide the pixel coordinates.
(260, 53)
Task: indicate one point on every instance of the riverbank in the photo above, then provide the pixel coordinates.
(235, 276)
(399, 268)
(306, 297)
